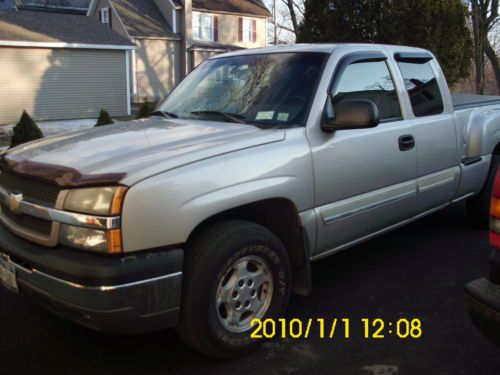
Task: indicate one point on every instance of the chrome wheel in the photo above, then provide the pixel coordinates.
(244, 293)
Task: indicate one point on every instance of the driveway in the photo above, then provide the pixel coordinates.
(415, 272)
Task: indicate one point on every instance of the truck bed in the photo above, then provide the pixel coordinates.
(464, 101)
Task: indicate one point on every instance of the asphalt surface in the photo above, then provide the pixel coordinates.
(414, 272)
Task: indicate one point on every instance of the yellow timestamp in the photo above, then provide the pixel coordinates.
(335, 328)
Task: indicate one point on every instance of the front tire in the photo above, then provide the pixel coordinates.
(235, 271)
(478, 207)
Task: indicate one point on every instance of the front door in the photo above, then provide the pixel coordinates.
(365, 179)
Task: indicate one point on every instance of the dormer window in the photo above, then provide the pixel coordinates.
(104, 17)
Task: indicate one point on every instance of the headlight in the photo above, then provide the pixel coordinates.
(103, 201)
(95, 201)
(91, 239)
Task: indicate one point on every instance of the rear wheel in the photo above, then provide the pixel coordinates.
(236, 271)
(478, 207)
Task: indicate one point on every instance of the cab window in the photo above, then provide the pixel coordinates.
(422, 86)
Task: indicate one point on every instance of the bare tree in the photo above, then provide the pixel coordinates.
(484, 15)
(287, 15)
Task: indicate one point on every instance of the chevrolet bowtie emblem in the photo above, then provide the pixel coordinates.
(14, 202)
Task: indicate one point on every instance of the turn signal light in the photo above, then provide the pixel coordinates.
(114, 241)
(495, 214)
(495, 208)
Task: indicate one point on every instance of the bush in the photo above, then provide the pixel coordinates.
(146, 108)
(104, 118)
(25, 131)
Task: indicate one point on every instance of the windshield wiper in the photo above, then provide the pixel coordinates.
(228, 116)
(164, 114)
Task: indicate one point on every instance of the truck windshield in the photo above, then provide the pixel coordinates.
(268, 89)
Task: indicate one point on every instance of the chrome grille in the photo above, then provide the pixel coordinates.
(30, 223)
(33, 191)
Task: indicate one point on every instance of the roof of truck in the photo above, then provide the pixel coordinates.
(324, 48)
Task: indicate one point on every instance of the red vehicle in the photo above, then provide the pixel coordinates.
(482, 296)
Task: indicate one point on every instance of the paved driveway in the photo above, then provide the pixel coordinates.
(415, 272)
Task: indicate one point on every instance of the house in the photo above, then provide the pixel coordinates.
(174, 36)
(61, 66)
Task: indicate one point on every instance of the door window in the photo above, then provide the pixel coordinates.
(370, 80)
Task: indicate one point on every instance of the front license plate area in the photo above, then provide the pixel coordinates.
(8, 275)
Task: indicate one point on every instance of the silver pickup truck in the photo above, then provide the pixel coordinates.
(208, 214)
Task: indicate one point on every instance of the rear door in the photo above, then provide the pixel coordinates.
(438, 171)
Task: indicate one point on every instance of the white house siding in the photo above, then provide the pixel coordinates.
(54, 84)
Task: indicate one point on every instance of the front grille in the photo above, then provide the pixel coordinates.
(30, 223)
(33, 191)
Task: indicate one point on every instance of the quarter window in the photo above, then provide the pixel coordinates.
(422, 86)
(203, 26)
(370, 81)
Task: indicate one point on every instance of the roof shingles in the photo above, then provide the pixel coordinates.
(143, 19)
(42, 27)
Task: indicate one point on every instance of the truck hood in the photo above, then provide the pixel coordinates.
(128, 152)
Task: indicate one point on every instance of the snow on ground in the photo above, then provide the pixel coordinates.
(49, 128)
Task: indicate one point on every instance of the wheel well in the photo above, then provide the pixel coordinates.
(281, 217)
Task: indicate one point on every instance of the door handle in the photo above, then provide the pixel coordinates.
(406, 142)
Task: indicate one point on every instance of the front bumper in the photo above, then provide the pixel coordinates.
(482, 300)
(126, 294)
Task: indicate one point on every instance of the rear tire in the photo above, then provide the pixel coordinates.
(478, 207)
(232, 268)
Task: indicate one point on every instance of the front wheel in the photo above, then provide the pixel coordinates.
(236, 271)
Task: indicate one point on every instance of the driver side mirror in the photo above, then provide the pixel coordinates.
(349, 114)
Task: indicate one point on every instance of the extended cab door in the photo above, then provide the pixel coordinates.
(432, 114)
(365, 179)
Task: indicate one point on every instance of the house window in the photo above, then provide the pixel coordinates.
(247, 30)
(203, 26)
(104, 16)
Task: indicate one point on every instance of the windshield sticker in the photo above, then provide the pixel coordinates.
(267, 115)
(283, 116)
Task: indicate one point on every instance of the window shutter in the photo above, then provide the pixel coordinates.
(110, 16)
(240, 30)
(100, 15)
(254, 30)
(216, 28)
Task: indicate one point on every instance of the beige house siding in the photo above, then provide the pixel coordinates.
(229, 30)
(200, 56)
(61, 83)
(157, 68)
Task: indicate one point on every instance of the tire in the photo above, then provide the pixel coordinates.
(229, 248)
(478, 207)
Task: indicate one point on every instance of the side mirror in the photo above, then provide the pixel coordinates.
(349, 114)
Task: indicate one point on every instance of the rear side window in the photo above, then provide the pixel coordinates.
(422, 86)
(370, 80)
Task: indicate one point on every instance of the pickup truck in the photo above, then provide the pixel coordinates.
(208, 214)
